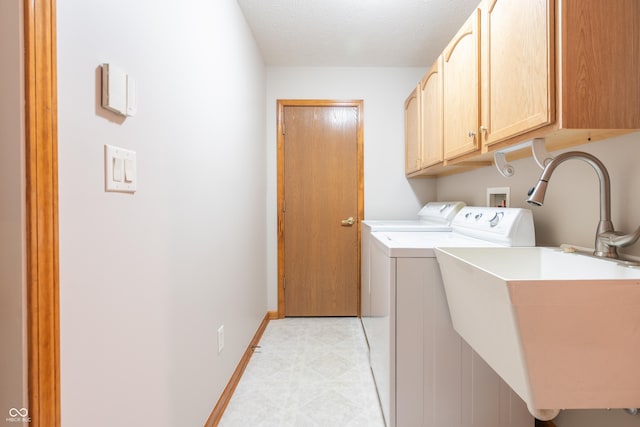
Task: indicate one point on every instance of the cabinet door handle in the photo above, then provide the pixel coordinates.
(348, 222)
(472, 134)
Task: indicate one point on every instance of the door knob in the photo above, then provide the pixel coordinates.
(348, 222)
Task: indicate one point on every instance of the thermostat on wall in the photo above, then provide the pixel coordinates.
(118, 91)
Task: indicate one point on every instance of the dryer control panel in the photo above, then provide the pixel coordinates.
(505, 226)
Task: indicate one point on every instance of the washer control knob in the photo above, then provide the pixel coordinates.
(496, 219)
(478, 216)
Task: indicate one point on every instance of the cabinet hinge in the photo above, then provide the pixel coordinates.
(284, 283)
(283, 128)
(284, 206)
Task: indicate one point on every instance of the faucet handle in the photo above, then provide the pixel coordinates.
(619, 240)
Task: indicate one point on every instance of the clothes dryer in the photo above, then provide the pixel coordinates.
(434, 216)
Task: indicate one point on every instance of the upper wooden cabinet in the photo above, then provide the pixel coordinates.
(593, 88)
(461, 78)
(412, 131)
(599, 64)
(563, 70)
(517, 68)
(431, 116)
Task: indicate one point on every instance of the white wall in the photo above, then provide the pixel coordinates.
(570, 214)
(146, 279)
(13, 367)
(387, 193)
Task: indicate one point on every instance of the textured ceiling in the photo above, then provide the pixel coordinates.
(377, 33)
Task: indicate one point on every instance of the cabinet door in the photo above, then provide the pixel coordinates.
(518, 67)
(412, 131)
(461, 90)
(599, 50)
(431, 114)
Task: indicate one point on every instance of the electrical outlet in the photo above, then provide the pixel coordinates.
(220, 338)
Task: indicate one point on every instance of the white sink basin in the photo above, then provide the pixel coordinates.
(562, 329)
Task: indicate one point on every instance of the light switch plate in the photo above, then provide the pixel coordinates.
(120, 164)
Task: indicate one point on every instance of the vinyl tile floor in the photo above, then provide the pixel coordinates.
(308, 372)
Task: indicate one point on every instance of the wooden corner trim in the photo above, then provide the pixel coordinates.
(41, 162)
(227, 393)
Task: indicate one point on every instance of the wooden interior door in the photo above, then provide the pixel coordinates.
(320, 158)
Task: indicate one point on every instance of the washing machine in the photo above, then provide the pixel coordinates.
(425, 374)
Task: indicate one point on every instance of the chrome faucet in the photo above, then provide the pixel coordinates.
(607, 239)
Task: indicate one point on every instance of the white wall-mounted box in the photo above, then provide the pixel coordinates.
(114, 89)
(119, 91)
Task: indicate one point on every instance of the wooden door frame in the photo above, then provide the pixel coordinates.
(41, 164)
(281, 104)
